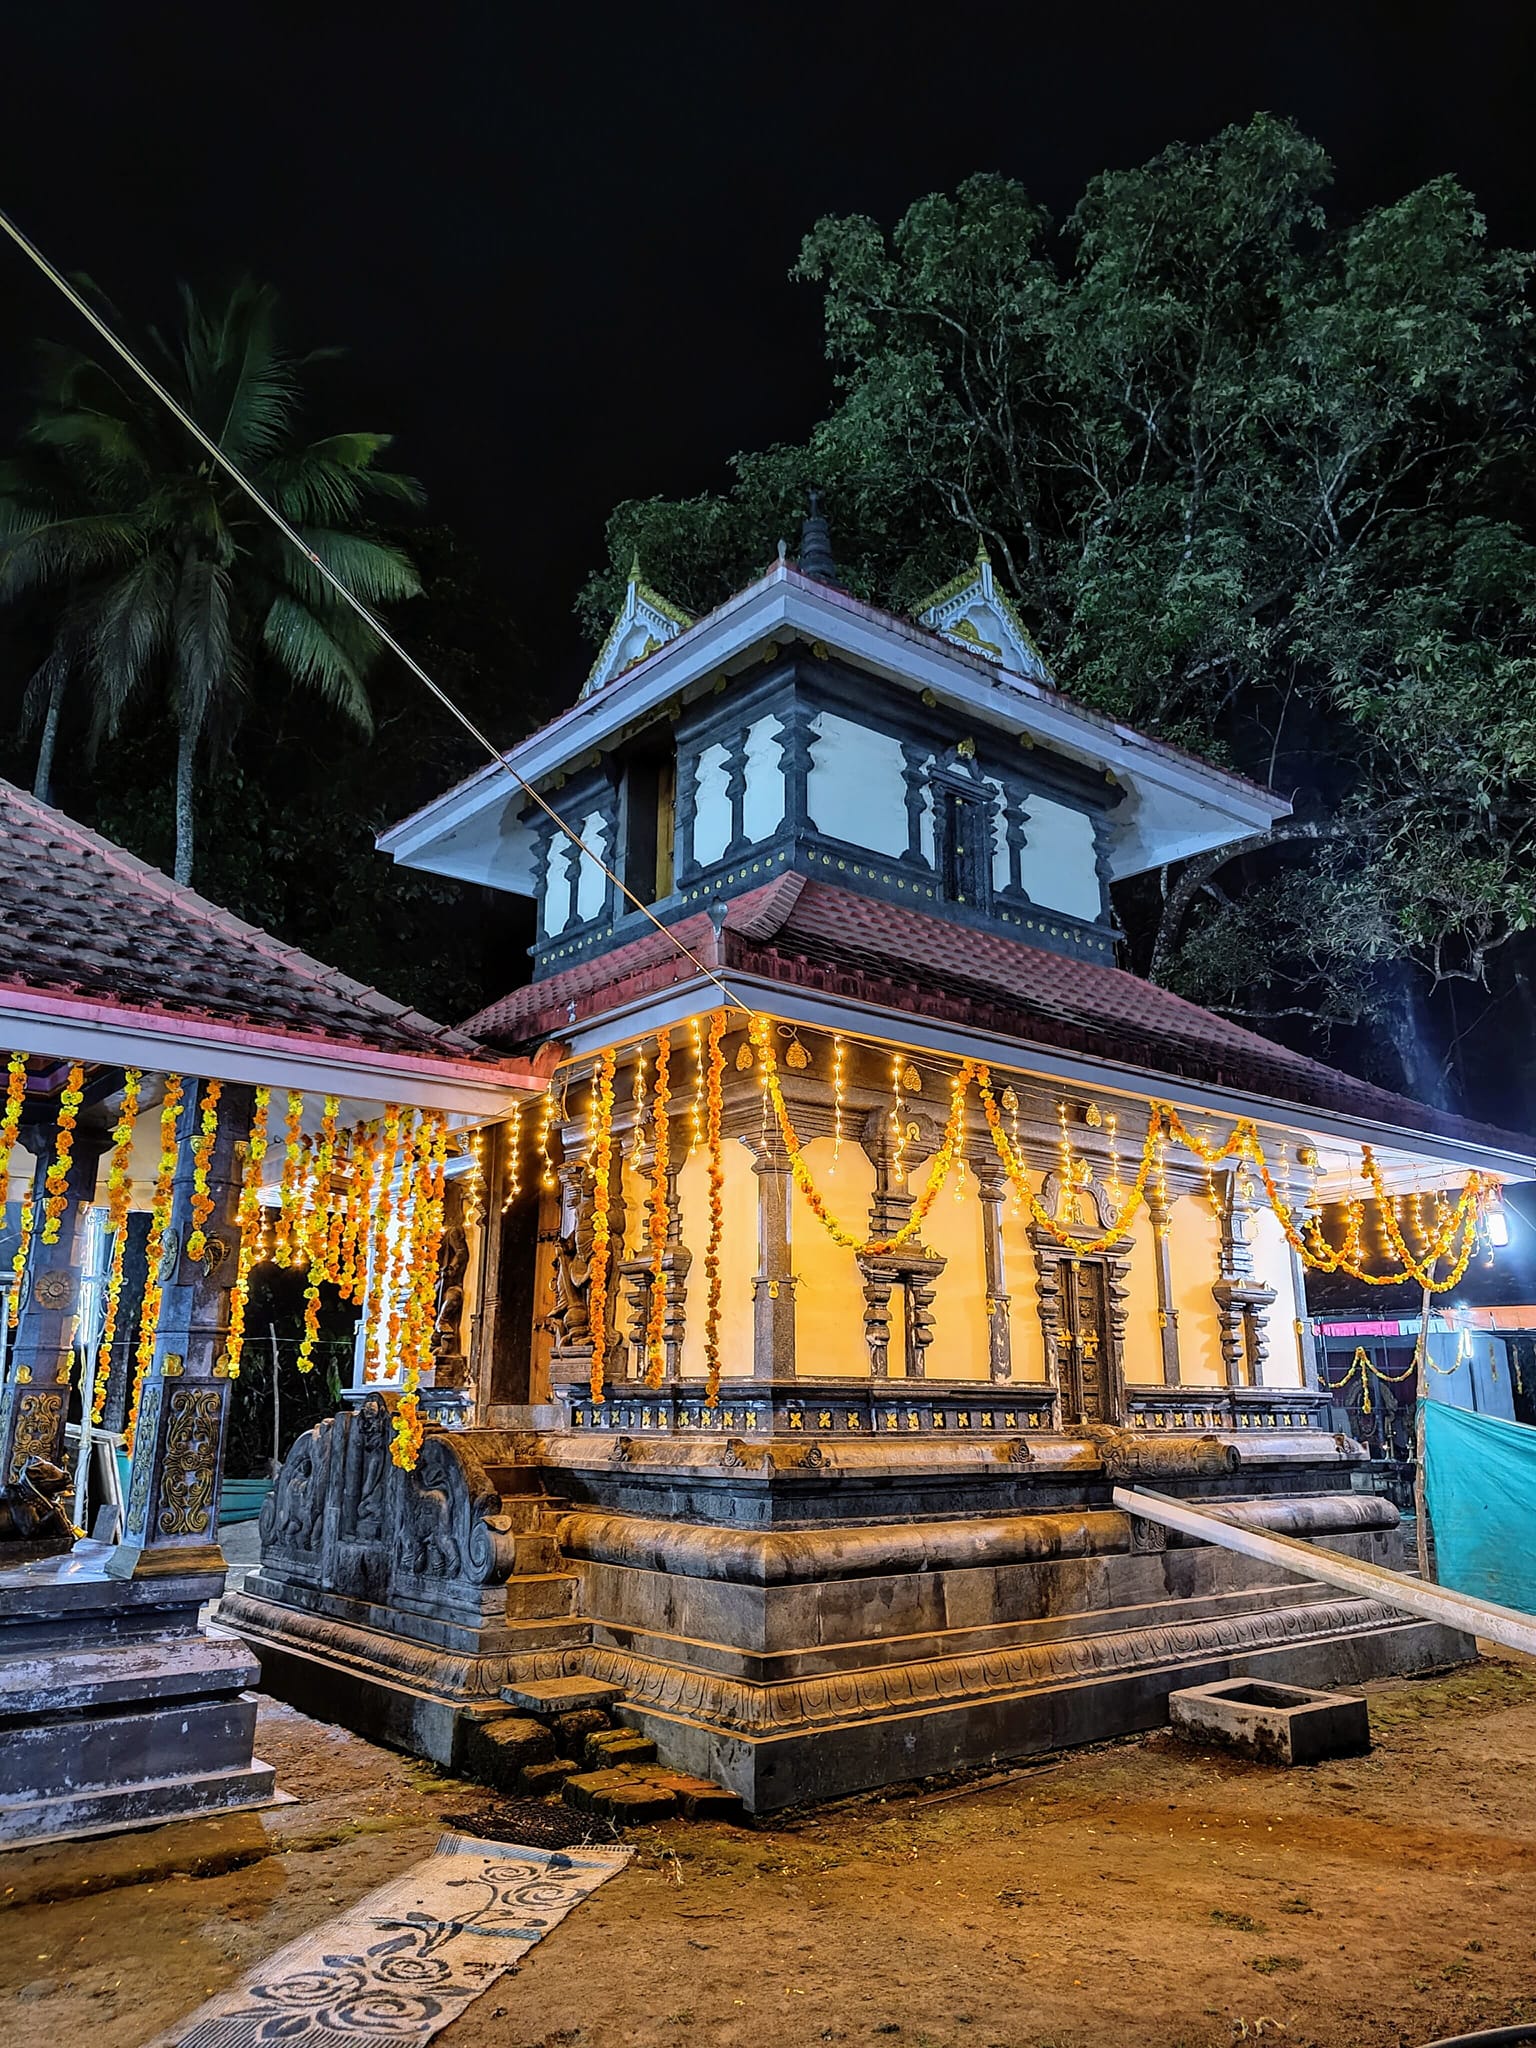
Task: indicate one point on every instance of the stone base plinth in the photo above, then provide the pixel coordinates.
(116, 1710)
(849, 1596)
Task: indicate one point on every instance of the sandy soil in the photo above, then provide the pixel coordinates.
(1140, 1894)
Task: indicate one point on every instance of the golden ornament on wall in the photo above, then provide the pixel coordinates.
(1093, 1116)
(744, 1058)
(911, 1080)
(795, 1054)
(1010, 1100)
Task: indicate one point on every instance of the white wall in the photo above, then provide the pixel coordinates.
(557, 887)
(591, 882)
(1058, 862)
(762, 809)
(856, 789)
(1272, 1267)
(711, 806)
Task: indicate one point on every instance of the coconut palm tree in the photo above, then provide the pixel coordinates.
(166, 578)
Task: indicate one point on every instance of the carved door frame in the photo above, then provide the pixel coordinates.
(1059, 1269)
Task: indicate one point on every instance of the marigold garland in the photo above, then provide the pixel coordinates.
(658, 1218)
(1014, 1167)
(22, 1252)
(374, 1364)
(119, 1196)
(56, 1181)
(714, 1070)
(15, 1096)
(159, 1223)
(290, 1186)
(939, 1171)
(601, 1113)
(426, 1233)
(248, 1217)
(202, 1204)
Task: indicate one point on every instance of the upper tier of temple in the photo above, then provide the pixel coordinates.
(795, 729)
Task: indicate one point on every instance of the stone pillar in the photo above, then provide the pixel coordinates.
(1161, 1214)
(991, 1187)
(178, 1451)
(35, 1404)
(773, 1285)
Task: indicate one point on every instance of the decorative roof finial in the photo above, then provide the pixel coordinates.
(634, 567)
(816, 546)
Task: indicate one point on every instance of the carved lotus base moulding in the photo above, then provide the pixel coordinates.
(803, 1616)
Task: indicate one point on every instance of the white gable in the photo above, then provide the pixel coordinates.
(644, 623)
(974, 613)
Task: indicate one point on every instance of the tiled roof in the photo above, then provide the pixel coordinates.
(839, 943)
(83, 919)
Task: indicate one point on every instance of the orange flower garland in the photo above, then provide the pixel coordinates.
(714, 1069)
(154, 1250)
(56, 1181)
(374, 1363)
(202, 1153)
(657, 1221)
(602, 1162)
(248, 1216)
(119, 1195)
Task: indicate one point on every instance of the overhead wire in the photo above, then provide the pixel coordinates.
(348, 596)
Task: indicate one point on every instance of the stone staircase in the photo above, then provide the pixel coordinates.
(566, 1740)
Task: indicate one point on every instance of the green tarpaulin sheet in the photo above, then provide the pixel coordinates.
(1480, 1477)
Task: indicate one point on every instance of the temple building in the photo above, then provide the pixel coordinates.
(871, 1224)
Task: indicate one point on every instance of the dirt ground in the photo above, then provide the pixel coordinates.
(1140, 1894)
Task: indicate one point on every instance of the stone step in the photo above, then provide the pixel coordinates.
(58, 1755)
(619, 1795)
(525, 1511)
(539, 1779)
(73, 1812)
(617, 1746)
(535, 1553)
(498, 1752)
(562, 1695)
(136, 1672)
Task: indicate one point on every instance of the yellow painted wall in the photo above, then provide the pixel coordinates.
(1194, 1244)
(1143, 1337)
(1272, 1265)
(829, 1293)
(1025, 1335)
(738, 1259)
(954, 1231)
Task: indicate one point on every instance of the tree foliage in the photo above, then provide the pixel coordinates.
(171, 584)
(1260, 480)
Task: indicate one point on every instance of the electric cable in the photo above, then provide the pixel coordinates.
(348, 597)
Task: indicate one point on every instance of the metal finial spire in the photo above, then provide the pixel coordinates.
(816, 546)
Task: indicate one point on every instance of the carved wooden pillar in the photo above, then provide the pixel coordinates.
(991, 1188)
(34, 1406)
(773, 1285)
(1161, 1215)
(1242, 1302)
(178, 1449)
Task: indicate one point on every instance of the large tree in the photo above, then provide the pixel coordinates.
(165, 582)
(1262, 482)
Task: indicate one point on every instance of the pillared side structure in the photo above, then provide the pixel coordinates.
(152, 1045)
(874, 1224)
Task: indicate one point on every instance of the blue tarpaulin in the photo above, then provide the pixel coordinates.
(1480, 1478)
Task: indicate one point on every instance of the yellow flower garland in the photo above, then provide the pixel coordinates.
(426, 1231)
(602, 1162)
(22, 1252)
(159, 1223)
(119, 1196)
(202, 1153)
(714, 1070)
(248, 1216)
(661, 1143)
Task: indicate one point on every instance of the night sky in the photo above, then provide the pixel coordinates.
(555, 239)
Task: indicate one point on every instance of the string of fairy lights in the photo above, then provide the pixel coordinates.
(1429, 1239)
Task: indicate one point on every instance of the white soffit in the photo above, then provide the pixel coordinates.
(1173, 806)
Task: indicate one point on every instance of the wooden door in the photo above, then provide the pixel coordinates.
(1090, 1389)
